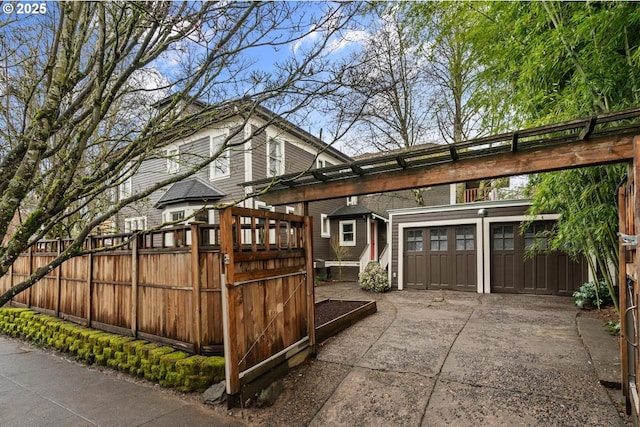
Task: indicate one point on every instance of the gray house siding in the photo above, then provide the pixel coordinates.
(259, 154)
(381, 203)
(354, 252)
(322, 245)
(231, 185)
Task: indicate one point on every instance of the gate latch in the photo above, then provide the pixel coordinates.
(628, 240)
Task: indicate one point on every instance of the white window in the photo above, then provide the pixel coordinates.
(348, 233)
(174, 216)
(173, 160)
(135, 224)
(290, 210)
(320, 163)
(275, 157)
(352, 200)
(125, 186)
(220, 167)
(325, 230)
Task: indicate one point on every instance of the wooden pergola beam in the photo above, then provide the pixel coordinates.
(602, 150)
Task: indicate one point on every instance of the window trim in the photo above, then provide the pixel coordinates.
(122, 194)
(224, 155)
(342, 224)
(352, 200)
(325, 226)
(280, 166)
(173, 160)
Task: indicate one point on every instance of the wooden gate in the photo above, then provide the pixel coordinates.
(628, 286)
(268, 295)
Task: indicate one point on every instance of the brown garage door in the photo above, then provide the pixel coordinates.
(512, 271)
(441, 258)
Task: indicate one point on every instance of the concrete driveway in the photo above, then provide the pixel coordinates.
(436, 358)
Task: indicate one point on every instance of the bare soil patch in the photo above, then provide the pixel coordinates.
(330, 309)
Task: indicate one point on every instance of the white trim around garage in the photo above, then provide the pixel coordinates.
(486, 229)
(483, 242)
(439, 223)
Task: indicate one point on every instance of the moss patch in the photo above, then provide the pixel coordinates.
(140, 358)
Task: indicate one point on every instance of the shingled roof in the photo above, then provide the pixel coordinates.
(189, 190)
(350, 211)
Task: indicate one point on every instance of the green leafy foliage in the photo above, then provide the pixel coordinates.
(592, 294)
(374, 278)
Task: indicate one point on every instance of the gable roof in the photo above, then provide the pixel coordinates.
(191, 189)
(246, 106)
(350, 211)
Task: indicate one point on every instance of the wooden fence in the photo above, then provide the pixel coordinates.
(163, 286)
(268, 295)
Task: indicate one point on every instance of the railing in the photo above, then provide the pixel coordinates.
(476, 195)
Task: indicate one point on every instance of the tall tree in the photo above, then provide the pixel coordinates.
(561, 60)
(79, 81)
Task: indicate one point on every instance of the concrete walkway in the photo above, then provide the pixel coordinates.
(427, 358)
(41, 389)
(436, 358)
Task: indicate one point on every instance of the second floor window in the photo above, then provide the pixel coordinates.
(173, 165)
(135, 224)
(220, 165)
(275, 157)
(125, 186)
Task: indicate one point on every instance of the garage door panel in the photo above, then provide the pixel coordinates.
(415, 272)
(543, 273)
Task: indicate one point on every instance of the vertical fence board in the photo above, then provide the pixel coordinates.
(151, 291)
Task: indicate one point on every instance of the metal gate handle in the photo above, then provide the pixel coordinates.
(633, 307)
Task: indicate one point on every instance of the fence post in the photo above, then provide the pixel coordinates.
(310, 279)
(89, 297)
(11, 279)
(134, 286)
(58, 279)
(29, 275)
(623, 207)
(195, 277)
(229, 302)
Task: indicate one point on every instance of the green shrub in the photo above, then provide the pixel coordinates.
(165, 365)
(374, 278)
(592, 294)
